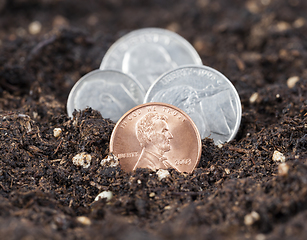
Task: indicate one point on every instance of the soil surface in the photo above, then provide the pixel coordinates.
(238, 191)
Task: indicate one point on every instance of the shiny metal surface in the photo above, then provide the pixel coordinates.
(110, 92)
(206, 95)
(156, 136)
(147, 53)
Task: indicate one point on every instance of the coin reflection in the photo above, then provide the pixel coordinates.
(196, 103)
(110, 106)
(147, 62)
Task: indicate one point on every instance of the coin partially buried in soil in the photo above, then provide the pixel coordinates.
(156, 136)
(111, 92)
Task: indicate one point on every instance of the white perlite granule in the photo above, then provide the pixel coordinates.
(105, 194)
(292, 81)
(283, 169)
(35, 27)
(253, 98)
(251, 218)
(57, 132)
(111, 160)
(84, 220)
(161, 173)
(82, 159)
(278, 157)
(220, 145)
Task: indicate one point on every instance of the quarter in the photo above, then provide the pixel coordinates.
(147, 53)
(156, 136)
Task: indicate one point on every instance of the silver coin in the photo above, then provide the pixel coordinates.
(110, 92)
(147, 53)
(206, 95)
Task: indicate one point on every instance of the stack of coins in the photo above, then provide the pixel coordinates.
(128, 69)
(159, 66)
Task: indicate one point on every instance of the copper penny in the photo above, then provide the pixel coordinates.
(156, 136)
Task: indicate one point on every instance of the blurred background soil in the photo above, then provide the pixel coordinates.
(238, 191)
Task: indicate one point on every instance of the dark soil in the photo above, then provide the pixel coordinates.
(257, 44)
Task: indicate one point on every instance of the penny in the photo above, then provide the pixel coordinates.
(110, 92)
(206, 95)
(156, 136)
(147, 53)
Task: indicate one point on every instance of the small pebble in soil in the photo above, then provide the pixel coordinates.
(227, 171)
(162, 173)
(60, 22)
(283, 169)
(23, 115)
(298, 23)
(282, 26)
(35, 114)
(251, 218)
(152, 194)
(260, 236)
(28, 127)
(292, 81)
(174, 27)
(252, 7)
(108, 195)
(84, 220)
(82, 159)
(199, 45)
(254, 97)
(92, 20)
(278, 157)
(35, 27)
(57, 132)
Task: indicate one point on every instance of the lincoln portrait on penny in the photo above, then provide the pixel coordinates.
(153, 134)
